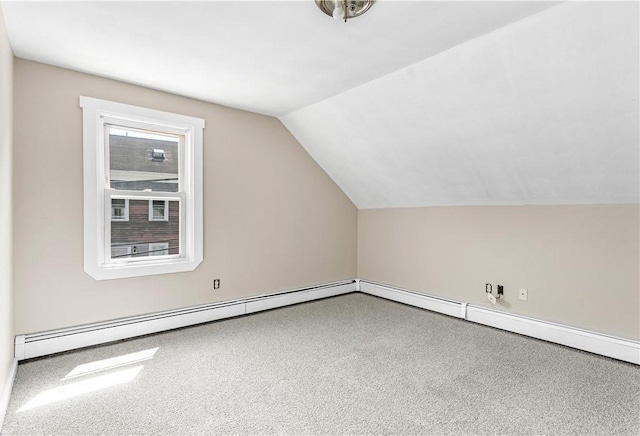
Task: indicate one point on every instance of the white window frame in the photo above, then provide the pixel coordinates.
(126, 212)
(165, 216)
(97, 114)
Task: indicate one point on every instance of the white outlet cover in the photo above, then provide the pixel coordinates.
(524, 294)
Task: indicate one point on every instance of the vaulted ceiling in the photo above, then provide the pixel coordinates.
(417, 103)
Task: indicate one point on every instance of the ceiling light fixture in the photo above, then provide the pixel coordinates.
(344, 9)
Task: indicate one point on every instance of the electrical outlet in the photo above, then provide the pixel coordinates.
(523, 295)
(216, 284)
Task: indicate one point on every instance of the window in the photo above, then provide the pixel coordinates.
(158, 210)
(119, 209)
(157, 155)
(120, 252)
(159, 249)
(142, 190)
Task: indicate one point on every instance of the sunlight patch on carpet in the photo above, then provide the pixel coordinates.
(82, 387)
(114, 362)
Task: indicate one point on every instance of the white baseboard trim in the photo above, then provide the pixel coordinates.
(617, 348)
(289, 298)
(435, 304)
(6, 392)
(55, 341)
(605, 345)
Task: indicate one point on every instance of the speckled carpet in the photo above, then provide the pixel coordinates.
(353, 364)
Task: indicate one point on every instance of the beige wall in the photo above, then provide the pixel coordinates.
(579, 263)
(6, 247)
(273, 220)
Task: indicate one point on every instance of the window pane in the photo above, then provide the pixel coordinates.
(120, 252)
(147, 238)
(118, 208)
(159, 249)
(141, 161)
(158, 209)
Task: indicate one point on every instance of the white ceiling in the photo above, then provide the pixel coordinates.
(544, 111)
(413, 104)
(271, 57)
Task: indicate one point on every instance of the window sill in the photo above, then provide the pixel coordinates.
(142, 268)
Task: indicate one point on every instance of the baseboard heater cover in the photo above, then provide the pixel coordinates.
(610, 346)
(435, 304)
(598, 343)
(55, 341)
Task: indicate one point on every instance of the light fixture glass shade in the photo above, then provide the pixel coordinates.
(344, 9)
(338, 11)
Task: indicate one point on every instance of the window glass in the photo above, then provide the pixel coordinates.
(159, 249)
(144, 237)
(158, 210)
(120, 252)
(143, 161)
(119, 209)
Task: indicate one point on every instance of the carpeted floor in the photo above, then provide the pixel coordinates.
(353, 364)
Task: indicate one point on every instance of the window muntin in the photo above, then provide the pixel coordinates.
(173, 145)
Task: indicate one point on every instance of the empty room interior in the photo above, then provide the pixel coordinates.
(319, 217)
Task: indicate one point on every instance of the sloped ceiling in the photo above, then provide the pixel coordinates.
(543, 111)
(414, 104)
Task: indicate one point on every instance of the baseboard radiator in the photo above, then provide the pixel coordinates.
(55, 341)
(617, 348)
